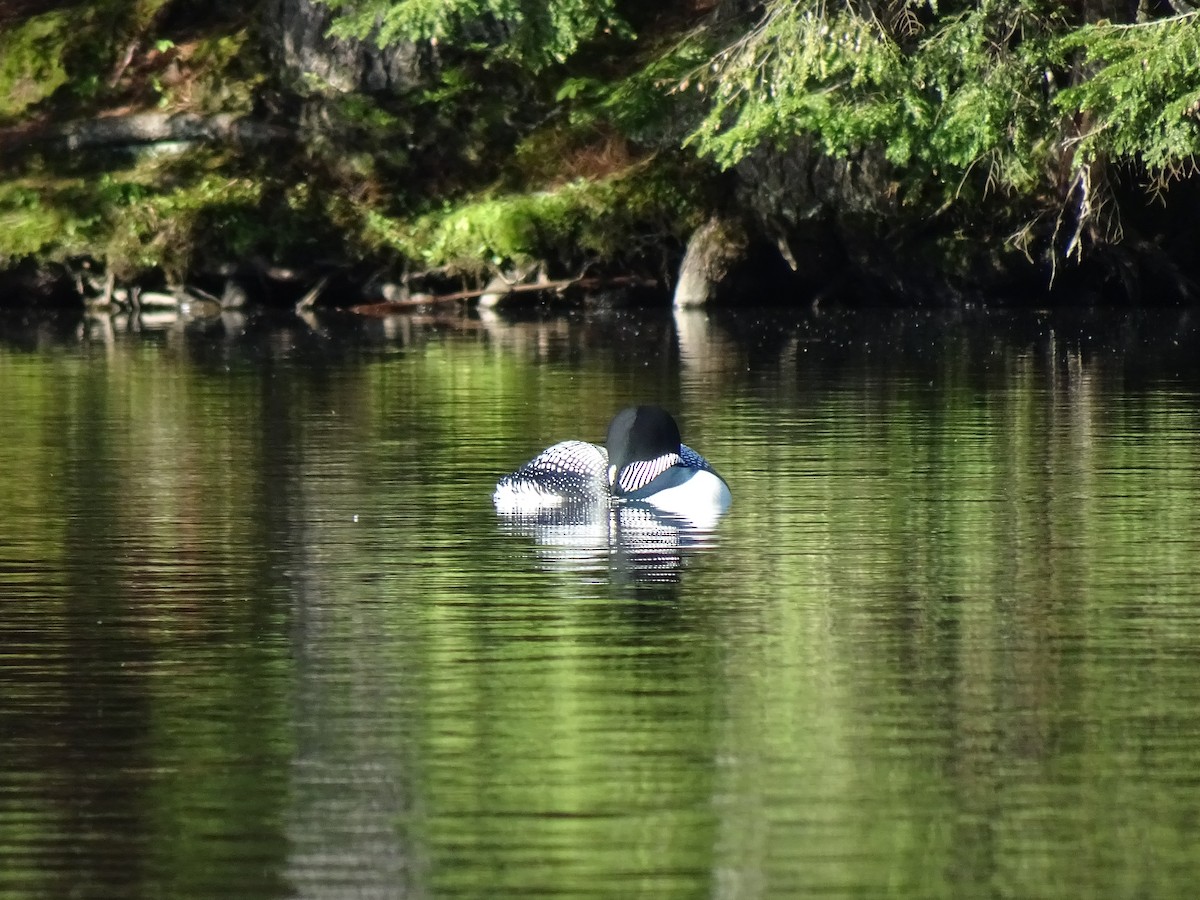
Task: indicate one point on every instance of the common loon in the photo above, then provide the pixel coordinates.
(643, 461)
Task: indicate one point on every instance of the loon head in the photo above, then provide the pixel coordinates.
(643, 442)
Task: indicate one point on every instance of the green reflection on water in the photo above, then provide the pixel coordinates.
(146, 704)
(265, 635)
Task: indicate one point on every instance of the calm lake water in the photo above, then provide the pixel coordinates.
(262, 634)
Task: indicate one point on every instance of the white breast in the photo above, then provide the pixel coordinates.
(698, 495)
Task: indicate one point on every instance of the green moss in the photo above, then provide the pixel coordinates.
(586, 218)
(27, 225)
(161, 229)
(31, 67)
(224, 75)
(153, 216)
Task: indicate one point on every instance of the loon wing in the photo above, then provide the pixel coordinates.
(568, 472)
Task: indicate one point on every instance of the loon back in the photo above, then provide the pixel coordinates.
(569, 472)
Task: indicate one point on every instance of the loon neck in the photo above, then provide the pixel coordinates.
(642, 443)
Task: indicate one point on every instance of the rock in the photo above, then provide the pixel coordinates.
(234, 295)
(728, 260)
(713, 251)
(500, 287)
(392, 292)
(157, 300)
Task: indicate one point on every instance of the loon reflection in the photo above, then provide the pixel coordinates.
(631, 540)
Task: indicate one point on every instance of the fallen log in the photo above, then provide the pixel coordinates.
(416, 301)
(143, 128)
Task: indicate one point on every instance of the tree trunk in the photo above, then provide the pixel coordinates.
(297, 30)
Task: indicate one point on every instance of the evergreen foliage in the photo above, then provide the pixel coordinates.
(962, 107)
(1141, 102)
(802, 71)
(1006, 97)
(533, 33)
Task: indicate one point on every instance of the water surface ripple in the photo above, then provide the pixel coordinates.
(262, 634)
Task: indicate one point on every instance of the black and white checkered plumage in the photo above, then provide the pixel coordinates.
(568, 472)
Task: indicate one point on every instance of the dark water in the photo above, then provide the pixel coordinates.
(261, 634)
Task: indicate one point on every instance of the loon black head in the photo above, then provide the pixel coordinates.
(642, 442)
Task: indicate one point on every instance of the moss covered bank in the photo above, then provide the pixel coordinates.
(886, 151)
